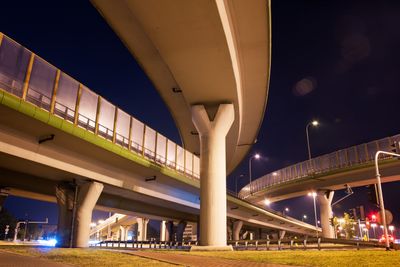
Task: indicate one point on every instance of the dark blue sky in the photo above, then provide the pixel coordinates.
(337, 61)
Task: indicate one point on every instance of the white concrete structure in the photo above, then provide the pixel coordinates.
(325, 208)
(142, 229)
(237, 226)
(76, 217)
(212, 133)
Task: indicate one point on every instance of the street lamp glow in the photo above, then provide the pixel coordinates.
(304, 216)
(257, 156)
(315, 123)
(93, 224)
(100, 221)
(274, 174)
(287, 209)
(313, 194)
(267, 202)
(391, 227)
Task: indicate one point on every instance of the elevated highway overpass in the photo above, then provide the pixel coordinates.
(210, 62)
(56, 133)
(353, 166)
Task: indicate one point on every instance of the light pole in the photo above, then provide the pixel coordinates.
(314, 195)
(313, 123)
(236, 188)
(380, 193)
(286, 210)
(256, 156)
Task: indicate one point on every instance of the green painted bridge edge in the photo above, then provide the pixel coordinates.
(15, 103)
(308, 178)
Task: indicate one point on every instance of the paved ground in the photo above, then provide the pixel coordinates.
(15, 260)
(198, 261)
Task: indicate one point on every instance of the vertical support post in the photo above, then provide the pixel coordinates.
(130, 134)
(176, 156)
(115, 125)
(155, 147)
(28, 76)
(143, 139)
(212, 135)
(77, 103)
(55, 88)
(96, 129)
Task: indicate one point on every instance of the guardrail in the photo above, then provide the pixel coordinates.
(301, 244)
(344, 158)
(184, 245)
(32, 79)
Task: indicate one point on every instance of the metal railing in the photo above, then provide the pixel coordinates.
(33, 80)
(302, 244)
(344, 158)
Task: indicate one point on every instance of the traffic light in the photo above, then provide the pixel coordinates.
(395, 147)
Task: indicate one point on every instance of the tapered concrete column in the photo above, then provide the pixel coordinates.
(212, 134)
(65, 201)
(325, 208)
(163, 230)
(237, 226)
(123, 231)
(142, 229)
(88, 194)
(282, 234)
(179, 230)
(169, 231)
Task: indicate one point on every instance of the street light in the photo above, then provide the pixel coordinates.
(285, 210)
(314, 195)
(304, 217)
(256, 156)
(267, 202)
(314, 123)
(380, 193)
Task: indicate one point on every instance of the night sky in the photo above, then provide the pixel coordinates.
(338, 62)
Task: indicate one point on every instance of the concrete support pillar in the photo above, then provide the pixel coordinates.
(169, 231)
(282, 234)
(179, 230)
(142, 229)
(163, 230)
(212, 132)
(237, 226)
(86, 198)
(65, 202)
(88, 194)
(123, 231)
(325, 208)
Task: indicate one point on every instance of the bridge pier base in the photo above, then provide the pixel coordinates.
(76, 229)
(163, 231)
(325, 202)
(142, 229)
(237, 226)
(212, 132)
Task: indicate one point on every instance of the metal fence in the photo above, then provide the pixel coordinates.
(29, 77)
(344, 158)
